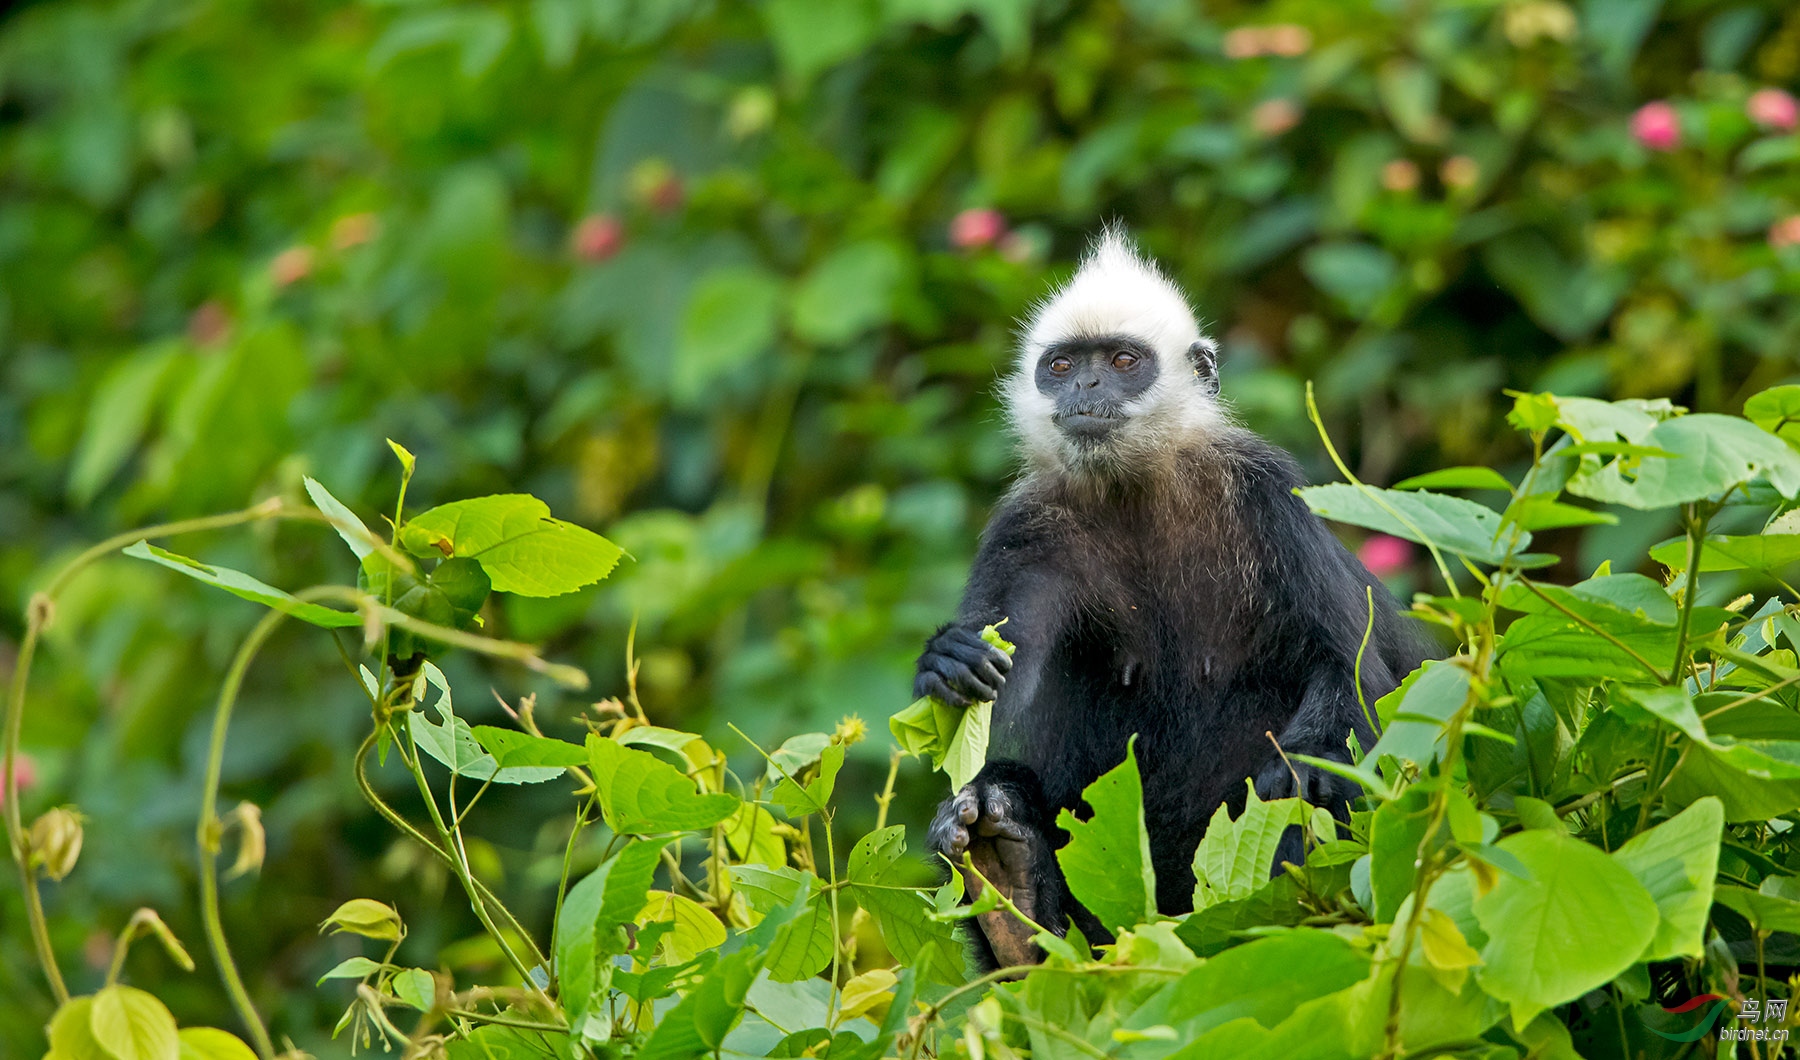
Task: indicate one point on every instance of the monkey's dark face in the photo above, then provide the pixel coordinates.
(1092, 383)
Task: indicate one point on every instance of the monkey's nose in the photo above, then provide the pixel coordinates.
(1088, 382)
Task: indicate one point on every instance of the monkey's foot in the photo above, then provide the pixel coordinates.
(982, 822)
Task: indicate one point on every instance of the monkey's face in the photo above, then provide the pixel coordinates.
(1094, 384)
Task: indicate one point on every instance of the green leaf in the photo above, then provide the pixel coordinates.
(1765, 911)
(1358, 275)
(1396, 833)
(352, 968)
(1777, 409)
(1676, 862)
(641, 794)
(751, 834)
(1451, 523)
(505, 1043)
(242, 585)
(695, 928)
(365, 917)
(1712, 454)
(452, 742)
(514, 538)
(1234, 857)
(848, 292)
(416, 987)
(1414, 715)
(802, 948)
(1764, 552)
(133, 1025)
(513, 748)
(1263, 980)
(875, 854)
(811, 36)
(697, 1025)
(795, 754)
(589, 928)
(1542, 513)
(914, 938)
(815, 797)
(1107, 859)
(1581, 919)
(118, 415)
(210, 1043)
(731, 318)
(343, 520)
(1457, 478)
(72, 1032)
(954, 738)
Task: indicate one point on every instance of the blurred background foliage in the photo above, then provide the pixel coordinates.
(731, 282)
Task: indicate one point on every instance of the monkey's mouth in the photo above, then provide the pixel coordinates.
(1089, 423)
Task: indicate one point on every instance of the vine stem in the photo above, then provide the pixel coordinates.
(38, 615)
(207, 832)
(459, 864)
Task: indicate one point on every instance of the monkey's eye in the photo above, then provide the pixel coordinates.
(1124, 359)
(1061, 365)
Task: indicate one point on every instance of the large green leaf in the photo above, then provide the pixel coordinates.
(1234, 857)
(641, 794)
(1264, 980)
(1767, 552)
(1107, 859)
(1414, 714)
(210, 1043)
(802, 947)
(590, 927)
(1676, 862)
(131, 1024)
(511, 747)
(1579, 920)
(513, 536)
(1776, 410)
(1711, 454)
(451, 741)
(1451, 523)
(731, 318)
(915, 939)
(815, 796)
(242, 585)
(343, 520)
(849, 291)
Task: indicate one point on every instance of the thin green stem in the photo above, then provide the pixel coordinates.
(1696, 532)
(207, 835)
(1648, 666)
(360, 768)
(837, 934)
(562, 883)
(459, 864)
(38, 614)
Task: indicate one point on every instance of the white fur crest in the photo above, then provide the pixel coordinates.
(1117, 291)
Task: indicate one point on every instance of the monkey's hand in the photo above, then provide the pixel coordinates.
(1319, 788)
(960, 668)
(984, 822)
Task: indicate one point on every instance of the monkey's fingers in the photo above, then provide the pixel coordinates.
(932, 683)
(957, 675)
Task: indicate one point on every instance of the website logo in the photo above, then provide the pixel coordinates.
(1752, 1011)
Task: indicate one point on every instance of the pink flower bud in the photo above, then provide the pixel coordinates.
(598, 237)
(1385, 555)
(1772, 108)
(1657, 126)
(24, 775)
(1401, 174)
(210, 324)
(291, 266)
(975, 228)
(1272, 117)
(353, 230)
(1785, 232)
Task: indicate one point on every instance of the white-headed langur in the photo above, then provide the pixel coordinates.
(1158, 577)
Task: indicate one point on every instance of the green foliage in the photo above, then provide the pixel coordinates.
(687, 272)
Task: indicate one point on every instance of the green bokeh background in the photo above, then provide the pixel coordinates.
(242, 242)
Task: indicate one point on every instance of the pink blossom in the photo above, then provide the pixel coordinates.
(210, 324)
(353, 230)
(24, 775)
(1772, 108)
(1385, 555)
(1657, 126)
(291, 265)
(979, 227)
(597, 237)
(1272, 117)
(1785, 232)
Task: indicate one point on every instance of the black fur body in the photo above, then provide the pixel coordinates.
(1197, 604)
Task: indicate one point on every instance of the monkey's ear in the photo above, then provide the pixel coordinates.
(1205, 357)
